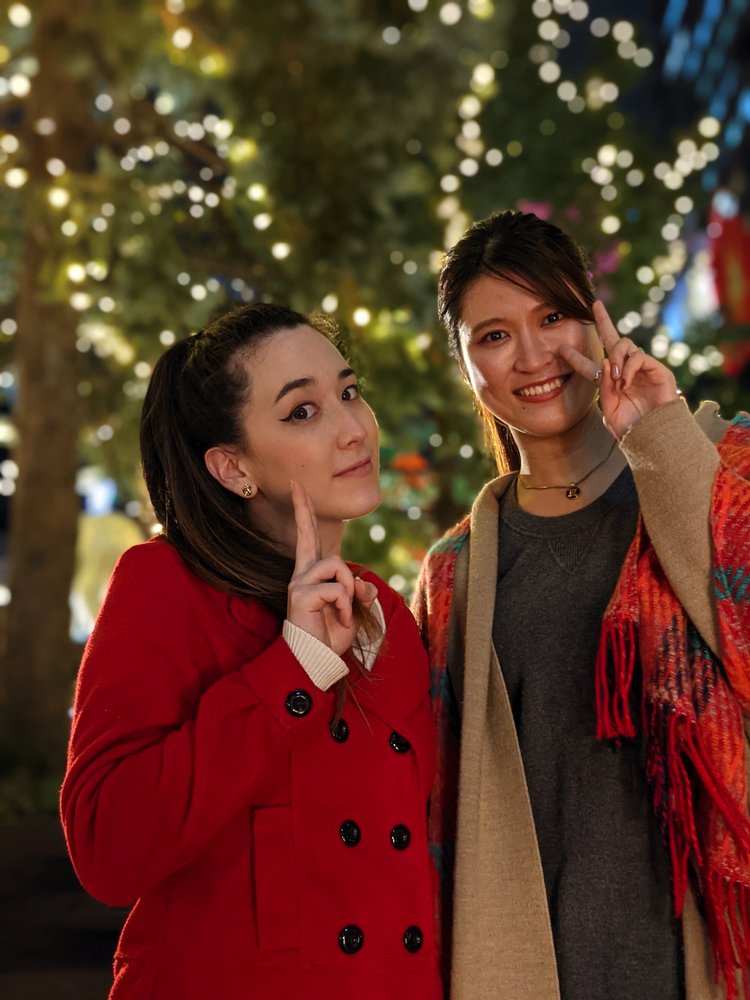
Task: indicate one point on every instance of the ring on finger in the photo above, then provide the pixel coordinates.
(631, 353)
(597, 375)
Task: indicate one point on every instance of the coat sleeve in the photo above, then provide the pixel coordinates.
(160, 760)
(695, 500)
(674, 461)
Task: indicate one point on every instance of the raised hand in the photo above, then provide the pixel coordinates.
(631, 383)
(321, 590)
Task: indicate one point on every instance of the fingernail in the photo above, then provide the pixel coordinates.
(615, 371)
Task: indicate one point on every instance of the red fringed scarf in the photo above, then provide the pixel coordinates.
(692, 709)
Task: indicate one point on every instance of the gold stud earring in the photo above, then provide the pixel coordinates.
(249, 490)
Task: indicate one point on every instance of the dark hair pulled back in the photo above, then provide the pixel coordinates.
(529, 252)
(195, 400)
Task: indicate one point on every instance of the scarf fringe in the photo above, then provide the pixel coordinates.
(669, 747)
(674, 743)
(615, 667)
(727, 909)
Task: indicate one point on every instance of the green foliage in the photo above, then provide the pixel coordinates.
(290, 152)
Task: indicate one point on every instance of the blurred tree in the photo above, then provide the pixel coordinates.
(162, 161)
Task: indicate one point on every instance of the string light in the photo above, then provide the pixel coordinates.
(58, 197)
(19, 15)
(182, 38)
(709, 127)
(450, 13)
(16, 177)
(55, 167)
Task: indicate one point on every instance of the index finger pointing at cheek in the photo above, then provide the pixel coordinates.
(580, 363)
(305, 551)
(314, 523)
(605, 327)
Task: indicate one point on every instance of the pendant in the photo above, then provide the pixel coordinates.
(573, 492)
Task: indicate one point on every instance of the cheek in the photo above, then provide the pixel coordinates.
(286, 461)
(591, 344)
(373, 430)
(474, 373)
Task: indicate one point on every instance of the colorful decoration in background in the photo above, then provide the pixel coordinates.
(728, 233)
(413, 466)
(730, 256)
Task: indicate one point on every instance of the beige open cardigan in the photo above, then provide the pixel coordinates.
(502, 939)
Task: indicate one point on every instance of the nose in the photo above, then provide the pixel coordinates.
(351, 428)
(534, 353)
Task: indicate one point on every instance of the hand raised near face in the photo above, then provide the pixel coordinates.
(321, 591)
(631, 383)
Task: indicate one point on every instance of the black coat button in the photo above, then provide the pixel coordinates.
(340, 731)
(413, 938)
(400, 837)
(351, 939)
(350, 833)
(399, 743)
(298, 703)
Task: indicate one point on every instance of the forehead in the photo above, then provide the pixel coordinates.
(301, 352)
(490, 295)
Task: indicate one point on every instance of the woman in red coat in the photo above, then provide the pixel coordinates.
(252, 746)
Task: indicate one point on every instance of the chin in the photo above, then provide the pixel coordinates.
(362, 505)
(552, 424)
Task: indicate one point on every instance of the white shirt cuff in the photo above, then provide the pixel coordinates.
(320, 663)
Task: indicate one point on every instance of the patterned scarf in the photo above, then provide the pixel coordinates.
(692, 707)
(432, 607)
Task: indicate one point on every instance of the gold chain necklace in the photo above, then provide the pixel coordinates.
(572, 490)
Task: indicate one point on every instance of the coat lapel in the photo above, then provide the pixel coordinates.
(502, 947)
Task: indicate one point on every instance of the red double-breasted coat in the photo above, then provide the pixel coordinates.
(268, 854)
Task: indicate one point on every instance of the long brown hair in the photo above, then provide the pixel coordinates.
(195, 399)
(531, 253)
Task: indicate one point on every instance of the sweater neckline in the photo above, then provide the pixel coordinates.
(586, 518)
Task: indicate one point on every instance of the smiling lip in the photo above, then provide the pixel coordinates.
(540, 392)
(363, 468)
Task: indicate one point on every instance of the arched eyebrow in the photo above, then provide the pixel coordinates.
(300, 383)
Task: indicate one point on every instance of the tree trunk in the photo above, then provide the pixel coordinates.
(40, 658)
(38, 672)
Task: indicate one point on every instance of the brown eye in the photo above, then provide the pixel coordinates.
(301, 413)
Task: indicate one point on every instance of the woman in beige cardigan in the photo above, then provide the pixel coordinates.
(571, 785)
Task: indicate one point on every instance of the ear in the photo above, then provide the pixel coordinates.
(228, 467)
